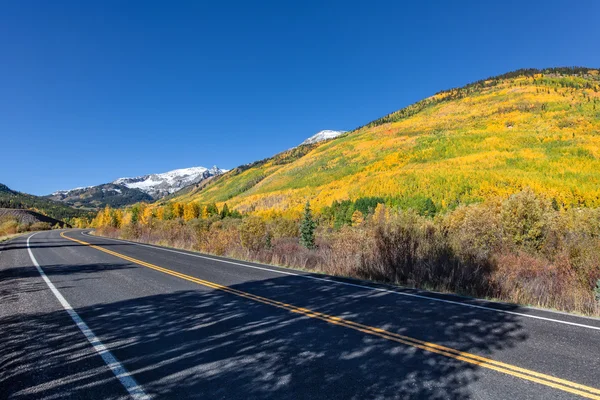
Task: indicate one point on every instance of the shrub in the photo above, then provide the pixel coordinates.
(396, 245)
(253, 233)
(475, 232)
(40, 226)
(284, 228)
(8, 226)
(525, 219)
(219, 242)
(131, 231)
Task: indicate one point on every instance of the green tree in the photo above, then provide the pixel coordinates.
(225, 211)
(307, 228)
(135, 213)
(169, 212)
(428, 209)
(235, 214)
(212, 209)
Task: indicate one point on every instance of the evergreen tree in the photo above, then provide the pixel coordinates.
(225, 211)
(235, 214)
(212, 209)
(135, 213)
(307, 228)
(428, 208)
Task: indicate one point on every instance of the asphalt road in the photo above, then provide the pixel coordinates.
(98, 318)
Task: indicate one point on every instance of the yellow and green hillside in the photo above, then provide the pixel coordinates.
(529, 128)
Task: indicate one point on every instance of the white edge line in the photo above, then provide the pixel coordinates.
(121, 373)
(362, 286)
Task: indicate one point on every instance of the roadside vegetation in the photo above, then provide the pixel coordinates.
(523, 248)
(11, 226)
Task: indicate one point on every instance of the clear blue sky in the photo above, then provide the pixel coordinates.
(94, 90)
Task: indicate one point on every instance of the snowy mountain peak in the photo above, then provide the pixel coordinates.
(323, 135)
(159, 185)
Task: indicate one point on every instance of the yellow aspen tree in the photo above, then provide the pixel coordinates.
(142, 208)
(104, 217)
(191, 211)
(147, 216)
(381, 214)
(357, 218)
(188, 212)
(126, 218)
(178, 210)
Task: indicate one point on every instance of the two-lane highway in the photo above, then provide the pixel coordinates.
(89, 317)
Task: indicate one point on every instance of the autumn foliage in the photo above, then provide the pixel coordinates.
(519, 249)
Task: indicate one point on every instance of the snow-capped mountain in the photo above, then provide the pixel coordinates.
(125, 191)
(159, 185)
(323, 135)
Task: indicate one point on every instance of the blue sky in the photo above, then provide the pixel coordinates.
(92, 91)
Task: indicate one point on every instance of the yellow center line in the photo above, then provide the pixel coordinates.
(533, 376)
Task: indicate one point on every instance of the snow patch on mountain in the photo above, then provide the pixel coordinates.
(159, 185)
(70, 190)
(322, 135)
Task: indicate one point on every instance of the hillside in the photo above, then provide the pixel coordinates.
(16, 200)
(28, 217)
(529, 128)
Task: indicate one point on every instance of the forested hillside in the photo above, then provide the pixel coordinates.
(529, 128)
(17, 200)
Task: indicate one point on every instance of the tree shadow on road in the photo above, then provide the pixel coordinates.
(15, 281)
(204, 343)
(18, 245)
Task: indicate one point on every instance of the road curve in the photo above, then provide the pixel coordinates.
(89, 317)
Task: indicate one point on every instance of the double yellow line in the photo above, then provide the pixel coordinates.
(533, 376)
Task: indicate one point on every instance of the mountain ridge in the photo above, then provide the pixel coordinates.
(130, 190)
